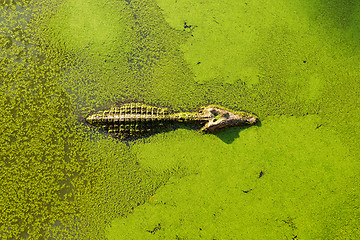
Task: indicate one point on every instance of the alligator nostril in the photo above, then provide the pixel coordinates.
(253, 120)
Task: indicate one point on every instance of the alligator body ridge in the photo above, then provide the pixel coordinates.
(134, 120)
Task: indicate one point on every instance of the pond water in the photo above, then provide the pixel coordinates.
(293, 176)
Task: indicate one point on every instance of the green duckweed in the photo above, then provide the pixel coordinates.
(294, 65)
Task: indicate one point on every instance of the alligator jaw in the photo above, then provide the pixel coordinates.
(220, 118)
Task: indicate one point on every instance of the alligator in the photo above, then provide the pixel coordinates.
(135, 120)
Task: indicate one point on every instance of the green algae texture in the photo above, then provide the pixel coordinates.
(294, 64)
(257, 187)
(59, 180)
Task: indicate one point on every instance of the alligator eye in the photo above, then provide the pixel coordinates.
(214, 112)
(226, 115)
(214, 120)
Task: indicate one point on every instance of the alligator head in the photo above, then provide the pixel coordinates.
(219, 118)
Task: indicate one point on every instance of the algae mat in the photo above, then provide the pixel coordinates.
(295, 176)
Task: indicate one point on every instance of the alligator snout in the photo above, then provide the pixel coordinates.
(220, 118)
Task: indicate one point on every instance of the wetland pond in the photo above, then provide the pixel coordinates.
(294, 175)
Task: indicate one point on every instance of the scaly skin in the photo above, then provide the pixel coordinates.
(135, 120)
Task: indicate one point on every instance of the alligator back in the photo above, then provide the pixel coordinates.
(132, 120)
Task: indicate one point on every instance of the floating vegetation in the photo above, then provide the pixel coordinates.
(58, 183)
(61, 60)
